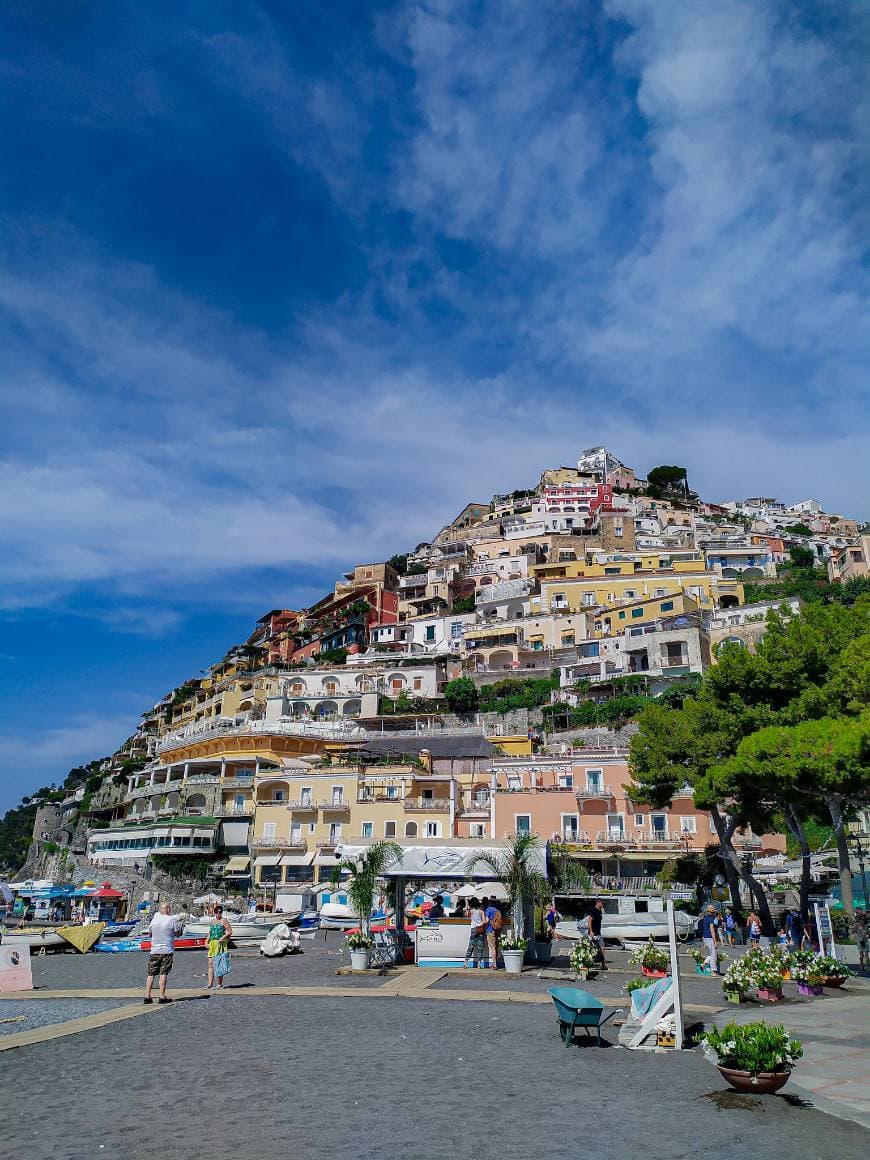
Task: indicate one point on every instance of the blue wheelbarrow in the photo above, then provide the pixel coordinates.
(576, 1008)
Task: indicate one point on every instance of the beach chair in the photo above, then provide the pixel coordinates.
(384, 949)
(576, 1008)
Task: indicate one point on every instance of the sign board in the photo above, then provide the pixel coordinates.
(684, 895)
(15, 972)
(721, 894)
(825, 929)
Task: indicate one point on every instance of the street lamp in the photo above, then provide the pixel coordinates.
(855, 843)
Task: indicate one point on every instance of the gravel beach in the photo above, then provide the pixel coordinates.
(334, 1078)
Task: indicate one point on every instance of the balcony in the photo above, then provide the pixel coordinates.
(241, 779)
(306, 804)
(433, 805)
(235, 811)
(329, 843)
(334, 806)
(202, 779)
(637, 841)
(591, 792)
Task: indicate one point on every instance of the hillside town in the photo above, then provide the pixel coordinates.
(480, 685)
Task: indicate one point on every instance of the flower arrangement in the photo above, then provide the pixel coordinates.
(635, 985)
(800, 959)
(584, 954)
(650, 957)
(754, 1047)
(358, 941)
(767, 972)
(807, 973)
(739, 978)
(782, 958)
(831, 968)
(698, 955)
(511, 943)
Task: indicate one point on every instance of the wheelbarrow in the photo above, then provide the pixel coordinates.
(576, 1008)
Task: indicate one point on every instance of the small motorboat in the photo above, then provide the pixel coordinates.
(120, 929)
(628, 927)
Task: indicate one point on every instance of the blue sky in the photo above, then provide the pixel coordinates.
(284, 286)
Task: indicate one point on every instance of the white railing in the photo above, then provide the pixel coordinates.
(327, 730)
(437, 805)
(245, 811)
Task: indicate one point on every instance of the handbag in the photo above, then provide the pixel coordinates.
(222, 966)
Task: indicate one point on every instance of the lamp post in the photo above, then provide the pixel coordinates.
(855, 843)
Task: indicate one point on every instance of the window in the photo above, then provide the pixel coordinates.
(337, 795)
(570, 827)
(515, 781)
(589, 598)
(305, 795)
(659, 825)
(430, 632)
(638, 819)
(566, 780)
(334, 831)
(410, 829)
(389, 829)
(433, 829)
(688, 826)
(477, 830)
(428, 795)
(392, 792)
(667, 606)
(590, 649)
(455, 630)
(612, 571)
(635, 612)
(617, 530)
(615, 826)
(523, 823)
(312, 827)
(418, 683)
(277, 795)
(630, 594)
(296, 834)
(268, 831)
(622, 615)
(658, 592)
(368, 829)
(594, 780)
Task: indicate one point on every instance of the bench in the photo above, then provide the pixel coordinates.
(576, 1008)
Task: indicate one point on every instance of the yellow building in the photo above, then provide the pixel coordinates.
(604, 589)
(615, 619)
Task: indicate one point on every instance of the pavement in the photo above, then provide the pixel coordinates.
(296, 1059)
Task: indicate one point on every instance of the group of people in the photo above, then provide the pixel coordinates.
(164, 928)
(486, 924)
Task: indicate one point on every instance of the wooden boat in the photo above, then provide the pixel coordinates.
(37, 938)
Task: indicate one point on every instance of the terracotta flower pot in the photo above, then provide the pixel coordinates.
(765, 1083)
(649, 973)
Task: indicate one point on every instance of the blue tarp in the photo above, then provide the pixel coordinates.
(643, 999)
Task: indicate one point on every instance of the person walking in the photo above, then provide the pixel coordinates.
(219, 934)
(477, 934)
(164, 927)
(593, 927)
(731, 931)
(494, 923)
(794, 929)
(551, 917)
(860, 928)
(754, 929)
(710, 935)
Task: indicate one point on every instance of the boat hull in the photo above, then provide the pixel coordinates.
(181, 944)
(622, 927)
(35, 939)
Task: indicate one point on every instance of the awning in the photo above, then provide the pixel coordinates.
(297, 859)
(238, 864)
(267, 860)
(496, 630)
(326, 860)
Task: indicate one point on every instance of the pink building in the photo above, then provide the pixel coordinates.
(586, 800)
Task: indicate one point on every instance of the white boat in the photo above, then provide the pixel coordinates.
(337, 916)
(246, 928)
(627, 927)
(37, 938)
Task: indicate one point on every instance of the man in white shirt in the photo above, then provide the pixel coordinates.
(164, 927)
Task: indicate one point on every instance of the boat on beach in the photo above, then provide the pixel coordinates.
(246, 928)
(37, 938)
(629, 923)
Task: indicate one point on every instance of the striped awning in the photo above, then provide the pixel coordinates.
(238, 864)
(297, 859)
(486, 633)
(267, 860)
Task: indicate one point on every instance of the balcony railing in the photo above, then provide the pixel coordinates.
(586, 792)
(437, 805)
(329, 843)
(325, 730)
(235, 811)
(638, 841)
(329, 804)
(302, 804)
(281, 843)
(240, 779)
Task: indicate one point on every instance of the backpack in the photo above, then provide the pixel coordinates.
(496, 922)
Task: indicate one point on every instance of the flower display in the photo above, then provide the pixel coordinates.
(807, 972)
(512, 943)
(651, 957)
(754, 1047)
(584, 954)
(635, 985)
(739, 977)
(831, 968)
(358, 941)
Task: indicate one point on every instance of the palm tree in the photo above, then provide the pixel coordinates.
(365, 872)
(514, 867)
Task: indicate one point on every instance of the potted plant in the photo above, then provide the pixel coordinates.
(755, 1057)
(635, 985)
(767, 972)
(513, 951)
(833, 972)
(808, 978)
(738, 980)
(652, 960)
(359, 945)
(584, 956)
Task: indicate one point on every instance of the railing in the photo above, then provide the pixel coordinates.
(240, 779)
(265, 841)
(329, 804)
(438, 805)
(158, 787)
(245, 811)
(639, 841)
(297, 804)
(329, 843)
(202, 779)
(602, 791)
(326, 730)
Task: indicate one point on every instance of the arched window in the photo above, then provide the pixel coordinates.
(410, 829)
